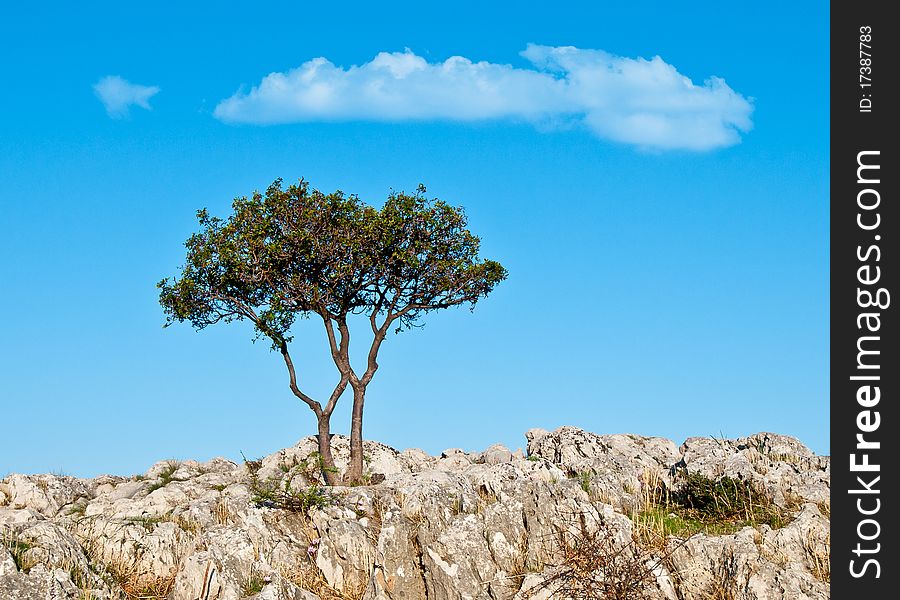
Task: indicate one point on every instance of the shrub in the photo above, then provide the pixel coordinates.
(275, 493)
(597, 564)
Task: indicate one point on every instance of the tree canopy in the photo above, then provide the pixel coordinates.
(297, 252)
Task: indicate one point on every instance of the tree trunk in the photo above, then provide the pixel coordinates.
(354, 475)
(329, 471)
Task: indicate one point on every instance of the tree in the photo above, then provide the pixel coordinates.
(298, 252)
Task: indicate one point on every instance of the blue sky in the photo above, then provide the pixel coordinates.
(667, 277)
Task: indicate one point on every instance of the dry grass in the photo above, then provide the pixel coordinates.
(19, 549)
(702, 505)
(183, 522)
(595, 563)
(221, 513)
(308, 577)
(818, 554)
(724, 583)
(125, 573)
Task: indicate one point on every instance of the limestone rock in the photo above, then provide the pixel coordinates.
(480, 525)
(780, 465)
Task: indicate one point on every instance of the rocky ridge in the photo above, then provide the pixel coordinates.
(469, 526)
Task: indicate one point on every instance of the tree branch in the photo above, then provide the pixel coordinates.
(332, 341)
(344, 350)
(315, 406)
(336, 394)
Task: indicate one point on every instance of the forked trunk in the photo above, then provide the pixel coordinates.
(354, 475)
(329, 471)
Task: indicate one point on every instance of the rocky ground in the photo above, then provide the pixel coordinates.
(579, 515)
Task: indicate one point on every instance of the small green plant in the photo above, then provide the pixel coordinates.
(727, 499)
(532, 458)
(148, 523)
(314, 465)
(584, 480)
(166, 476)
(277, 494)
(700, 504)
(18, 548)
(253, 585)
(78, 509)
(253, 466)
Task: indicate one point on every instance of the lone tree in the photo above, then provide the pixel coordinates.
(297, 252)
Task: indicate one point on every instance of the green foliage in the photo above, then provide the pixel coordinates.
(711, 506)
(293, 252)
(584, 480)
(279, 493)
(166, 476)
(253, 585)
(675, 520)
(78, 509)
(296, 252)
(315, 460)
(18, 549)
(275, 493)
(723, 499)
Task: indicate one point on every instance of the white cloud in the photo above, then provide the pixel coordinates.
(118, 95)
(646, 103)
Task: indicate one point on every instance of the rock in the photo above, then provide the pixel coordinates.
(198, 577)
(47, 494)
(615, 469)
(781, 466)
(482, 525)
(496, 454)
(7, 564)
(535, 434)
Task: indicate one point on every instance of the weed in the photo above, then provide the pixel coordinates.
(728, 499)
(818, 554)
(487, 496)
(166, 476)
(18, 548)
(584, 480)
(186, 523)
(723, 584)
(252, 465)
(129, 578)
(275, 494)
(78, 509)
(596, 564)
(700, 504)
(222, 513)
(149, 523)
(456, 505)
(308, 577)
(313, 465)
(253, 585)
